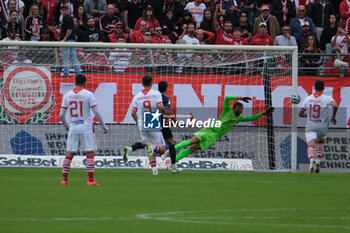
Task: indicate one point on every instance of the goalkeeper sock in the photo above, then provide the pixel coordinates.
(310, 152)
(90, 167)
(66, 167)
(137, 145)
(172, 153)
(182, 144)
(183, 154)
(319, 150)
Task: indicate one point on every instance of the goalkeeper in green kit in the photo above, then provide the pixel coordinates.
(229, 118)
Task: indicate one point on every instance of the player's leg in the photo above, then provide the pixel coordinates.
(172, 166)
(194, 142)
(88, 145)
(155, 143)
(319, 151)
(133, 147)
(72, 148)
(311, 138)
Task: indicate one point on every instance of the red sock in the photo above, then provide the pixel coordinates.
(319, 150)
(153, 163)
(90, 167)
(156, 148)
(310, 152)
(66, 167)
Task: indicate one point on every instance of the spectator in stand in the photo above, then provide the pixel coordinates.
(12, 36)
(246, 28)
(22, 59)
(33, 24)
(69, 54)
(303, 39)
(285, 39)
(120, 58)
(20, 6)
(273, 27)
(97, 62)
(42, 8)
(54, 34)
(149, 17)
(77, 32)
(175, 7)
(92, 34)
(239, 40)
(341, 41)
(108, 21)
(169, 25)
(208, 21)
(12, 6)
(328, 32)
(319, 12)
(113, 37)
(186, 19)
(95, 8)
(196, 8)
(248, 7)
(206, 36)
(190, 38)
(333, 71)
(158, 37)
(81, 16)
(58, 15)
(13, 25)
(230, 9)
(50, 5)
(297, 22)
(223, 36)
(311, 62)
(132, 13)
(344, 9)
(137, 35)
(283, 10)
(262, 37)
(147, 37)
(45, 35)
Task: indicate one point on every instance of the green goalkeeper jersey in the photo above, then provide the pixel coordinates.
(208, 136)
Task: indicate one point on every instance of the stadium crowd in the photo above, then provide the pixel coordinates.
(316, 27)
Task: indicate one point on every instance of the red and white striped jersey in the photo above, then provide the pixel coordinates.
(318, 110)
(79, 103)
(146, 101)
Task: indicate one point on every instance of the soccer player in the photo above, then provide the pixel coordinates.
(229, 118)
(316, 108)
(78, 104)
(148, 100)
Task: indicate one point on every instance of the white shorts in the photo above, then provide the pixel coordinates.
(84, 142)
(320, 136)
(153, 136)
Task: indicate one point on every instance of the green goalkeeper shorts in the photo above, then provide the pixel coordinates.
(206, 137)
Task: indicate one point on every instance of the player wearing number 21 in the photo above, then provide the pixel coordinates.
(77, 105)
(316, 108)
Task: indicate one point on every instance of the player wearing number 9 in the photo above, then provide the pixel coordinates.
(77, 105)
(316, 108)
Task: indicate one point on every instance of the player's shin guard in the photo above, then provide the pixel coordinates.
(182, 144)
(319, 150)
(183, 154)
(137, 145)
(172, 153)
(66, 167)
(90, 167)
(310, 152)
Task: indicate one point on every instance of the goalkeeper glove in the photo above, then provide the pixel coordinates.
(245, 99)
(268, 110)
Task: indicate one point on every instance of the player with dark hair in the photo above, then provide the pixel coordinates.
(78, 104)
(316, 108)
(229, 118)
(167, 134)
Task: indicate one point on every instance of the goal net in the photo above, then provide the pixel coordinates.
(199, 77)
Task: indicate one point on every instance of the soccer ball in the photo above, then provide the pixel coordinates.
(295, 98)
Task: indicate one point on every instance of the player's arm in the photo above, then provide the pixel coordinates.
(335, 109)
(161, 108)
(134, 114)
(268, 110)
(100, 119)
(63, 117)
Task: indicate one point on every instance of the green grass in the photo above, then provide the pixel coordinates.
(32, 200)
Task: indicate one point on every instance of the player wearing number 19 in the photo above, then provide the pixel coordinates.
(316, 108)
(78, 104)
(229, 118)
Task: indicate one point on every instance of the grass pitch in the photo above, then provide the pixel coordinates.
(32, 200)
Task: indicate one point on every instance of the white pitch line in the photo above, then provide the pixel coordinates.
(64, 219)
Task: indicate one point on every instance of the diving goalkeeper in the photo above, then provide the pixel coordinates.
(229, 118)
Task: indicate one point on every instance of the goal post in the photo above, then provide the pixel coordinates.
(199, 76)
